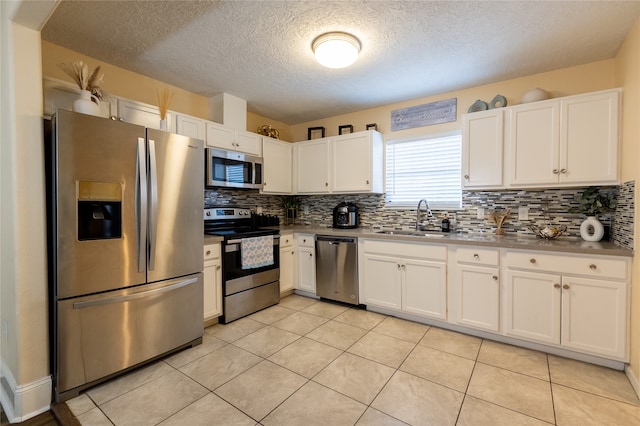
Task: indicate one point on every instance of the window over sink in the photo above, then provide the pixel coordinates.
(426, 166)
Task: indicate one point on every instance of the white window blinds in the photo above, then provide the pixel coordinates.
(429, 168)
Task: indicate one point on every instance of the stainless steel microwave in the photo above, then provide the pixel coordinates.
(232, 169)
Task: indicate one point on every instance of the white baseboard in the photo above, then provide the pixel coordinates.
(633, 380)
(22, 402)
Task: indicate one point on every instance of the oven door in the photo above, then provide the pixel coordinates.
(233, 169)
(237, 278)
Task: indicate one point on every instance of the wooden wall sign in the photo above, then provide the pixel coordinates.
(424, 115)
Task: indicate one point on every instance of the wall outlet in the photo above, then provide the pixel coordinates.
(259, 210)
(305, 209)
(523, 213)
(480, 214)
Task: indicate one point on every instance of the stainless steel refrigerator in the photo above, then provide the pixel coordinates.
(125, 241)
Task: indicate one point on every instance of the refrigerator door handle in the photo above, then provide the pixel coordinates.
(141, 205)
(121, 299)
(153, 204)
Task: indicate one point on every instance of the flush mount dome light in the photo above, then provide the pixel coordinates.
(336, 49)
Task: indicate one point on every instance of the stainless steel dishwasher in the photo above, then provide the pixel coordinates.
(337, 268)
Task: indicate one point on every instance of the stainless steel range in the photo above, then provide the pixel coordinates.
(250, 261)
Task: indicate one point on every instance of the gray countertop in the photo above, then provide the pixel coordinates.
(566, 245)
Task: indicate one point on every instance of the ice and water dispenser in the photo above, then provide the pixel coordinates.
(99, 210)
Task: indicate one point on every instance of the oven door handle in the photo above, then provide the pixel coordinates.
(276, 241)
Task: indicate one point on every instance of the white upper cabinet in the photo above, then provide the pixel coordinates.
(191, 126)
(482, 149)
(357, 162)
(277, 166)
(223, 137)
(311, 166)
(142, 114)
(352, 163)
(570, 141)
(589, 139)
(534, 143)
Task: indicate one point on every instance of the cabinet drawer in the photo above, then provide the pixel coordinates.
(286, 241)
(211, 251)
(305, 240)
(592, 266)
(478, 256)
(420, 251)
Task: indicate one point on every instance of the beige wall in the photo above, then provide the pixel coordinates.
(563, 82)
(627, 74)
(127, 84)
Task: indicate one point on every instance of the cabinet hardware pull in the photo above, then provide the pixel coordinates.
(563, 170)
(218, 267)
(466, 177)
(495, 277)
(593, 267)
(404, 267)
(566, 286)
(209, 252)
(555, 171)
(532, 260)
(476, 256)
(556, 285)
(398, 265)
(292, 252)
(326, 184)
(311, 254)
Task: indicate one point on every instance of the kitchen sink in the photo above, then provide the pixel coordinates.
(428, 234)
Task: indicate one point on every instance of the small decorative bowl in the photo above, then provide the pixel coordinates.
(548, 232)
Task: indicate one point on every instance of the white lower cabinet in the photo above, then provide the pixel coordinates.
(212, 296)
(287, 268)
(475, 288)
(405, 276)
(306, 263)
(577, 302)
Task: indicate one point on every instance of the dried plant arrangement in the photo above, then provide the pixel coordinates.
(79, 73)
(164, 100)
(499, 219)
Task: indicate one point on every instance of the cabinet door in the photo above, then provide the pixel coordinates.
(534, 141)
(589, 139)
(212, 296)
(306, 271)
(191, 126)
(220, 137)
(424, 288)
(533, 306)
(277, 166)
(248, 142)
(482, 149)
(312, 166)
(381, 280)
(142, 114)
(594, 316)
(351, 162)
(287, 256)
(478, 297)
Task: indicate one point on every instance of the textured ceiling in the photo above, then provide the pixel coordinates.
(261, 50)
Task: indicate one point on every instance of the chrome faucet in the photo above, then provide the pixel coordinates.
(419, 225)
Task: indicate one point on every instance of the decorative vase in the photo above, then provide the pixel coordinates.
(591, 229)
(163, 124)
(86, 105)
(292, 215)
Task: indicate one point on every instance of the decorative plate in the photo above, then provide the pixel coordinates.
(548, 232)
(498, 102)
(478, 106)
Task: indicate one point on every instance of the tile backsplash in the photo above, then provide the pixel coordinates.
(546, 206)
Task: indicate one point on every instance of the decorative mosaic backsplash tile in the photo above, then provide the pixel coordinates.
(547, 206)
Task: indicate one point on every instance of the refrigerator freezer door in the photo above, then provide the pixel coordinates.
(103, 334)
(97, 233)
(176, 188)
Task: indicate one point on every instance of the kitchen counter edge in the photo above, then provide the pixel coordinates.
(488, 240)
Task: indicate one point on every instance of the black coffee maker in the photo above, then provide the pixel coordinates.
(345, 216)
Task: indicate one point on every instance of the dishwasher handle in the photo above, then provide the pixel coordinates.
(336, 240)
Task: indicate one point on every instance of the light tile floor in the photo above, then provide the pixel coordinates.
(306, 362)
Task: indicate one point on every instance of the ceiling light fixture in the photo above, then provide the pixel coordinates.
(336, 49)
